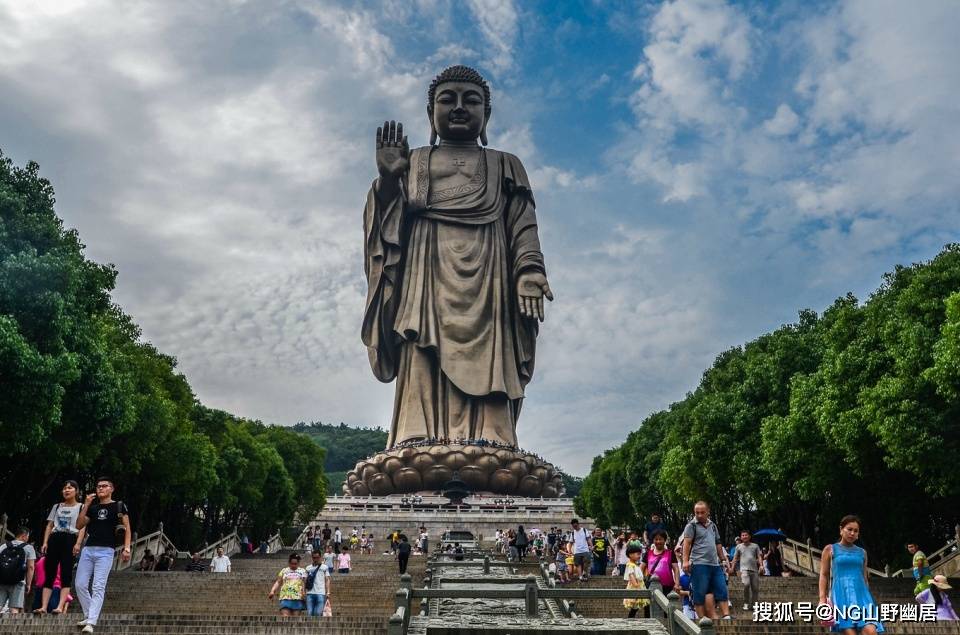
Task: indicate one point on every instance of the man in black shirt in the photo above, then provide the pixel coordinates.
(195, 563)
(403, 553)
(652, 527)
(103, 521)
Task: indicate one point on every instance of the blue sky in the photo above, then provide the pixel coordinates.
(703, 170)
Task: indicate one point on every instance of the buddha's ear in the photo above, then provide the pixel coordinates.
(483, 134)
(433, 133)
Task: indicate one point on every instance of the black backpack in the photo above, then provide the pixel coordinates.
(13, 564)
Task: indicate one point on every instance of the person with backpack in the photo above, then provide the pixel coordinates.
(61, 540)
(318, 584)
(582, 546)
(17, 561)
(705, 559)
(104, 520)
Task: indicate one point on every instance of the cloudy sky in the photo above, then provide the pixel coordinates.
(703, 170)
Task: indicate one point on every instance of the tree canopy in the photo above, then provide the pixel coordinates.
(83, 395)
(856, 410)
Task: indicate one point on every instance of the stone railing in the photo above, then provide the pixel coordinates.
(301, 540)
(274, 543)
(804, 558)
(5, 533)
(667, 610)
(945, 560)
(229, 542)
(158, 542)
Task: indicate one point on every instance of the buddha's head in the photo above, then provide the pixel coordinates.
(458, 105)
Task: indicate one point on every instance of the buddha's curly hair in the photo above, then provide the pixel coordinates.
(459, 73)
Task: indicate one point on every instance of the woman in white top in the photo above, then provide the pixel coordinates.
(61, 544)
(620, 555)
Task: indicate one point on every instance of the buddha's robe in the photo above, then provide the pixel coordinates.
(441, 314)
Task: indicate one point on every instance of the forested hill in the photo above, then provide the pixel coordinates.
(345, 445)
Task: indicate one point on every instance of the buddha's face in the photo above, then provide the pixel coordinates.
(458, 111)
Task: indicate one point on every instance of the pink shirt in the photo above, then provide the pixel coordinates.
(664, 571)
(343, 561)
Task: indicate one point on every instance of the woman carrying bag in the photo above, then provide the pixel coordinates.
(61, 545)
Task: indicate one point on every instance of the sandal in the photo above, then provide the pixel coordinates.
(57, 611)
(39, 611)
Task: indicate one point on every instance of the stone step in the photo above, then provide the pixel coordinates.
(159, 624)
(742, 627)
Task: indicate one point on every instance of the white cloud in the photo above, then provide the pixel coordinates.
(497, 21)
(783, 122)
(871, 131)
(230, 197)
(519, 141)
(225, 178)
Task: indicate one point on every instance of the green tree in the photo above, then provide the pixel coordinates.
(82, 395)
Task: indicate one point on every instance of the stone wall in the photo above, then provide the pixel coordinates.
(483, 517)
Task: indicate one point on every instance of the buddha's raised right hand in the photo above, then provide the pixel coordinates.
(393, 153)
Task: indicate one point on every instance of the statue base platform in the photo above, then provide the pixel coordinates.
(485, 469)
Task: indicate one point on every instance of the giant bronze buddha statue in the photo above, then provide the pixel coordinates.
(456, 287)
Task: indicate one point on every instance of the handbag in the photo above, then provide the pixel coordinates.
(327, 609)
(656, 563)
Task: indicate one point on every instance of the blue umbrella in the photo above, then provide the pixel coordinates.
(765, 535)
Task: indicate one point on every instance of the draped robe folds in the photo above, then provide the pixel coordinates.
(441, 314)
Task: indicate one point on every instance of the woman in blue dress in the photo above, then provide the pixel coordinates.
(843, 583)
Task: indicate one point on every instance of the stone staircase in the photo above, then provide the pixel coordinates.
(191, 603)
(183, 603)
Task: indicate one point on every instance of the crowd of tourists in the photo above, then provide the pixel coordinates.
(81, 540)
(697, 566)
(362, 541)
